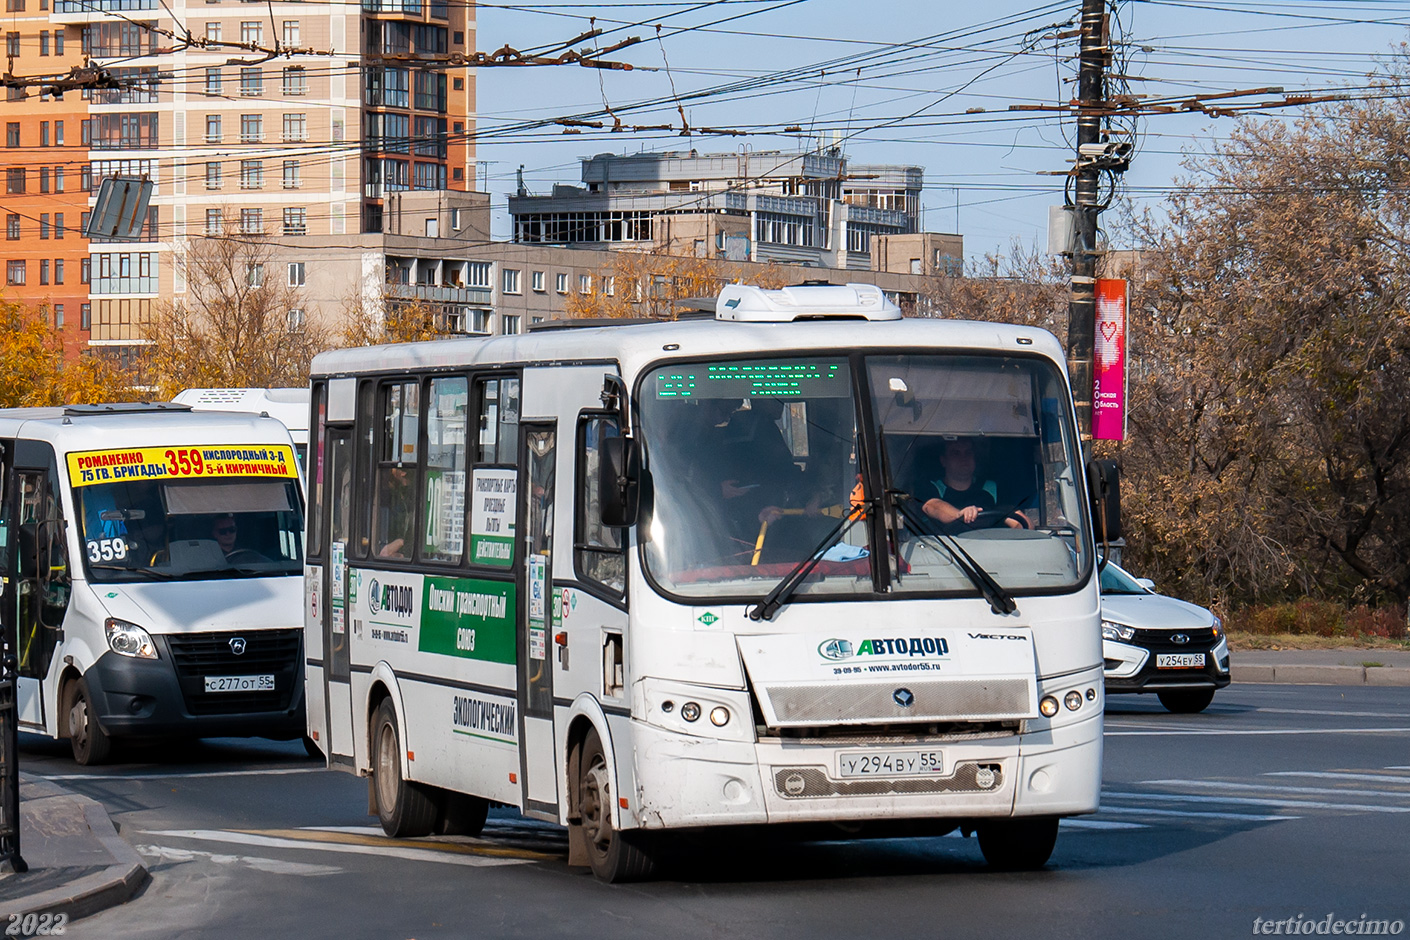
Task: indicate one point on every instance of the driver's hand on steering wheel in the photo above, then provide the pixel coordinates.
(969, 514)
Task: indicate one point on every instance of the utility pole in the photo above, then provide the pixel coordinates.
(1093, 58)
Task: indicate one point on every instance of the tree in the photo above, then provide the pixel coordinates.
(1020, 287)
(651, 283)
(35, 368)
(239, 325)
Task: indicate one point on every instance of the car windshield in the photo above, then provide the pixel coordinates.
(753, 463)
(980, 450)
(1117, 581)
(140, 530)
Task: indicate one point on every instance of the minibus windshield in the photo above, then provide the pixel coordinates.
(139, 530)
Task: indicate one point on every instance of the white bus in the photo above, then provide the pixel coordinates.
(152, 560)
(288, 405)
(648, 577)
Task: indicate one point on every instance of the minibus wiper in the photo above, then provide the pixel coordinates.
(1000, 601)
(766, 608)
(140, 569)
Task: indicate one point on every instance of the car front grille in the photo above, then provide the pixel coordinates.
(266, 652)
(1199, 641)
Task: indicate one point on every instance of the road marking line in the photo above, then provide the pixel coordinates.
(1273, 788)
(1201, 814)
(352, 838)
(1310, 711)
(272, 772)
(1340, 775)
(442, 853)
(274, 866)
(1251, 801)
(1210, 732)
(1100, 824)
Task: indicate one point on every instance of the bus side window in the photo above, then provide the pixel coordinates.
(498, 410)
(443, 523)
(314, 467)
(598, 549)
(396, 479)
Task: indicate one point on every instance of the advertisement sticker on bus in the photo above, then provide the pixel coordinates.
(469, 618)
(492, 513)
(390, 602)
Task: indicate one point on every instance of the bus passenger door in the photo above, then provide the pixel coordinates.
(336, 663)
(537, 754)
(42, 586)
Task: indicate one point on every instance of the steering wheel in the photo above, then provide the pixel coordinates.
(245, 556)
(987, 519)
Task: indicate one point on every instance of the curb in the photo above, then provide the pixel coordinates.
(114, 885)
(1294, 674)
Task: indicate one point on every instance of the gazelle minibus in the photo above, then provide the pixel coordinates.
(648, 577)
(152, 560)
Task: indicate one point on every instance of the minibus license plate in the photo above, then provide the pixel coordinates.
(240, 683)
(889, 764)
(1179, 660)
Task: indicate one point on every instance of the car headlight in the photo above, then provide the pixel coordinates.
(1218, 628)
(128, 639)
(1117, 631)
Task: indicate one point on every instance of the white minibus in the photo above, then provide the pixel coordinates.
(648, 577)
(289, 405)
(152, 560)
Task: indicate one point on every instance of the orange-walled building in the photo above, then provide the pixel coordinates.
(45, 180)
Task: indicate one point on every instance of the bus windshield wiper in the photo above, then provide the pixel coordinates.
(155, 573)
(1000, 601)
(766, 608)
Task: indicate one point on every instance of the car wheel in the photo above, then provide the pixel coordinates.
(1186, 702)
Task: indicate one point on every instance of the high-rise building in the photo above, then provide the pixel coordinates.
(280, 120)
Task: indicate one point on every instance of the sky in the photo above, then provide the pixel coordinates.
(897, 81)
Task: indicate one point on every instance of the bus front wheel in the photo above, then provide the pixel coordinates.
(1018, 844)
(403, 808)
(90, 743)
(616, 855)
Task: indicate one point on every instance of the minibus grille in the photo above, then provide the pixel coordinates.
(879, 702)
(266, 652)
(803, 782)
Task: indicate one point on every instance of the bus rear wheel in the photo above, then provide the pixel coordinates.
(89, 742)
(1018, 844)
(404, 808)
(615, 855)
(462, 814)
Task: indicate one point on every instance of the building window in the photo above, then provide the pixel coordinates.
(538, 282)
(296, 274)
(297, 320)
(510, 323)
(12, 226)
(44, 271)
(14, 272)
(59, 271)
(252, 31)
(213, 176)
(213, 32)
(212, 129)
(295, 127)
(58, 41)
(477, 274)
(58, 133)
(291, 174)
(85, 270)
(58, 179)
(291, 33)
(44, 230)
(609, 286)
(585, 283)
(252, 221)
(83, 223)
(126, 273)
(251, 82)
(251, 174)
(295, 81)
(12, 47)
(58, 225)
(254, 275)
(251, 128)
(295, 220)
(213, 222)
(560, 283)
(14, 179)
(58, 316)
(511, 281)
(43, 40)
(213, 86)
(12, 134)
(85, 316)
(43, 179)
(43, 133)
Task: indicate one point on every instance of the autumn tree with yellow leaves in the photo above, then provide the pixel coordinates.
(37, 369)
(652, 284)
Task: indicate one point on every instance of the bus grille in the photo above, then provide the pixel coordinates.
(803, 782)
(876, 702)
(198, 655)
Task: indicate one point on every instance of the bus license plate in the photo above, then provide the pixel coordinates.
(240, 683)
(1179, 660)
(889, 764)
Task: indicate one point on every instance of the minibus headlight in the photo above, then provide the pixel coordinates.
(1117, 631)
(128, 639)
(719, 716)
(1048, 707)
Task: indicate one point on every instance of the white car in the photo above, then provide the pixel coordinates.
(1154, 643)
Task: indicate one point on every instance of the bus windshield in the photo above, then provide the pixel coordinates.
(754, 463)
(229, 527)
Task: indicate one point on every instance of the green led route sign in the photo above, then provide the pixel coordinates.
(792, 378)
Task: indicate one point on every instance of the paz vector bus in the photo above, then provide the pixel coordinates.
(152, 559)
(649, 577)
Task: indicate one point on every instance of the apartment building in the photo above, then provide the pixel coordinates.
(281, 119)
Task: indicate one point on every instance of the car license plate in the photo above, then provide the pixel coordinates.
(1179, 660)
(240, 683)
(889, 763)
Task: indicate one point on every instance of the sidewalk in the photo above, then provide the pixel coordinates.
(1322, 667)
(78, 864)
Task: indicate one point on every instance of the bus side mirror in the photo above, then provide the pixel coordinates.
(1104, 490)
(618, 480)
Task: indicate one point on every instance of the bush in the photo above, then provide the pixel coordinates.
(1309, 617)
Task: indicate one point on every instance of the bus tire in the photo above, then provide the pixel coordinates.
(89, 742)
(615, 855)
(1186, 701)
(404, 808)
(1023, 844)
(462, 814)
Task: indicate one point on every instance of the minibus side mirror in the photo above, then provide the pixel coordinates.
(1104, 491)
(618, 480)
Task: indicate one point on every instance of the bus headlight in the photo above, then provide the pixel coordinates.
(719, 716)
(1073, 700)
(128, 639)
(1048, 707)
(690, 711)
(1117, 631)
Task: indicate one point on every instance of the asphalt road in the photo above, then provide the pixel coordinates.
(1278, 801)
